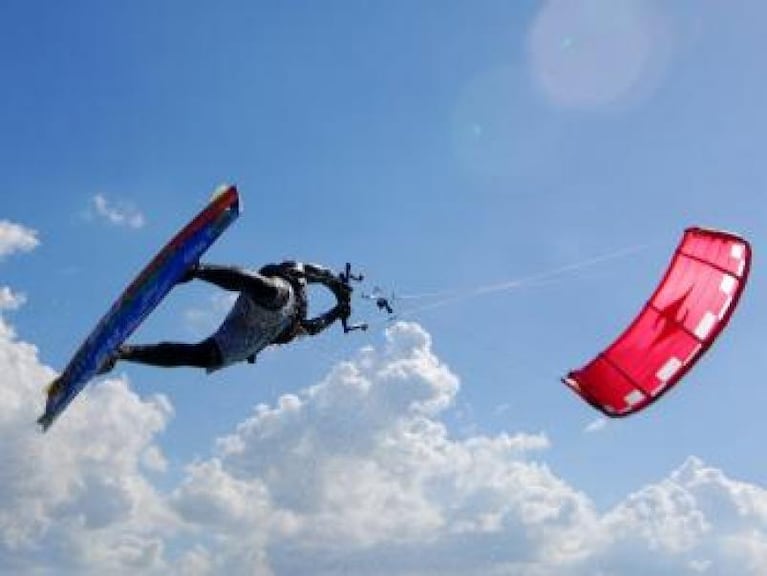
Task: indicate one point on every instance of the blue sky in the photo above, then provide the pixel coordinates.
(440, 147)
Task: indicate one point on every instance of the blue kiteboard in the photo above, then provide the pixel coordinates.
(140, 298)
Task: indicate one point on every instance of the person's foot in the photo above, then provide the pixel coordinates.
(54, 387)
(110, 362)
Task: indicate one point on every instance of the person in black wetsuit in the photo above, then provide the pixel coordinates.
(271, 308)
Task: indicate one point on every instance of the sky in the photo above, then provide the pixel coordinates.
(555, 149)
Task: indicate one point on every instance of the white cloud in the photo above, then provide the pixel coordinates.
(596, 425)
(10, 300)
(121, 214)
(358, 467)
(357, 474)
(696, 521)
(72, 499)
(16, 238)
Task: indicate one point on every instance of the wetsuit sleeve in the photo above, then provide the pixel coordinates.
(263, 289)
(316, 325)
(316, 274)
(321, 275)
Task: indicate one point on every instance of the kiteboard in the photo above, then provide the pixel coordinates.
(140, 298)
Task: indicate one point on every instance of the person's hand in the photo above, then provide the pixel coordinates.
(343, 309)
(343, 292)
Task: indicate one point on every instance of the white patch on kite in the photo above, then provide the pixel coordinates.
(706, 324)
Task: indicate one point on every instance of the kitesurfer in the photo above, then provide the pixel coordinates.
(271, 308)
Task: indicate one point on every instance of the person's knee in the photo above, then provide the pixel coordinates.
(211, 354)
(269, 292)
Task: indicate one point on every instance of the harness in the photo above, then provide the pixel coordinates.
(292, 273)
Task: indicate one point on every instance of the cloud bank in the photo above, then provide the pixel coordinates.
(355, 474)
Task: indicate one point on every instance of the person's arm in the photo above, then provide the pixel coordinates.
(340, 289)
(316, 325)
(316, 274)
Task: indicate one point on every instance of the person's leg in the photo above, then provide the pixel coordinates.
(267, 291)
(205, 354)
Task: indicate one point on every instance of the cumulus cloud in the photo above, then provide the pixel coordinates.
(16, 238)
(359, 467)
(119, 214)
(10, 300)
(72, 499)
(356, 474)
(697, 521)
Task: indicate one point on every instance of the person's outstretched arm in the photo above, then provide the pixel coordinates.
(320, 275)
(314, 273)
(316, 325)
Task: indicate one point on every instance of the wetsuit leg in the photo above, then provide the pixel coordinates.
(205, 354)
(265, 290)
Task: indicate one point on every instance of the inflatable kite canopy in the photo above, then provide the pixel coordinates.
(688, 310)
